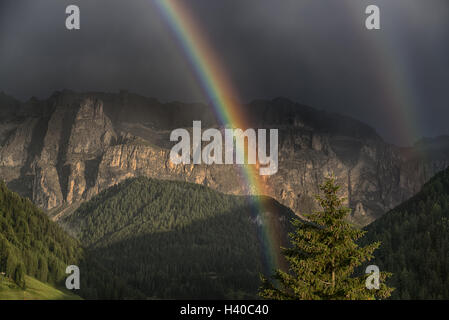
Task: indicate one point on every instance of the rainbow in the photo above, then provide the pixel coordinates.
(222, 98)
(392, 73)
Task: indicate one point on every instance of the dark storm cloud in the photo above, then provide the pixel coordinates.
(118, 46)
(315, 52)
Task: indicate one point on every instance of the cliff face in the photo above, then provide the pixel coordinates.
(71, 146)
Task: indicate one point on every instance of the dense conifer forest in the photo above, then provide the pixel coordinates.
(153, 239)
(415, 242)
(31, 244)
(178, 240)
(143, 239)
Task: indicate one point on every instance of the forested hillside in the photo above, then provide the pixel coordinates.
(31, 244)
(415, 242)
(146, 238)
(179, 240)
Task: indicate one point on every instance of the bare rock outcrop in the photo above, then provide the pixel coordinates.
(73, 146)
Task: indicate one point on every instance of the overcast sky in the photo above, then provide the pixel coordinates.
(316, 52)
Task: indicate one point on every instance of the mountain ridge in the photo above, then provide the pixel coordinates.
(68, 148)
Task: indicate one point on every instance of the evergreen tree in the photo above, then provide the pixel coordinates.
(323, 257)
(19, 276)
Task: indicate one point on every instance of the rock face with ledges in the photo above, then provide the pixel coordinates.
(66, 149)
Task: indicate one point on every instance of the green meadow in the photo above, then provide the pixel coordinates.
(35, 290)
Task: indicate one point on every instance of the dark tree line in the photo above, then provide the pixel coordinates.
(415, 242)
(175, 240)
(31, 244)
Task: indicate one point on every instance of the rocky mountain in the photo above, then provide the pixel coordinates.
(64, 150)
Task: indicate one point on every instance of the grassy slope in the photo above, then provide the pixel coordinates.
(35, 290)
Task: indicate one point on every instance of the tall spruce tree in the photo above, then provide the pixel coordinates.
(324, 256)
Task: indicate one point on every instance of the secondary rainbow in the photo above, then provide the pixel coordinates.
(223, 99)
(393, 75)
